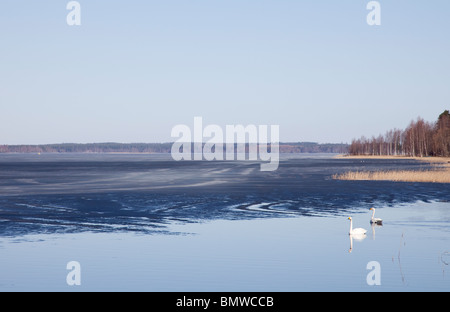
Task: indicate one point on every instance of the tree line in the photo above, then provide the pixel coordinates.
(419, 139)
(89, 148)
(300, 147)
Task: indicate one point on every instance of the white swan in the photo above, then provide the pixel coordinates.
(357, 231)
(375, 220)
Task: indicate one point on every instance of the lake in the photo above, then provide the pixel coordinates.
(148, 223)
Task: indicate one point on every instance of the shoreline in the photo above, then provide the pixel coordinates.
(439, 174)
(430, 159)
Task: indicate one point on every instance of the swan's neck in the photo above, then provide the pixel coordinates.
(351, 227)
(373, 213)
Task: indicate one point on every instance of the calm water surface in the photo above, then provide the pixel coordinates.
(146, 223)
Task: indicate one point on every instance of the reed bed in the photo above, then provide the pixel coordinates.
(439, 174)
(431, 176)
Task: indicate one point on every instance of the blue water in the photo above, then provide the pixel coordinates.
(147, 223)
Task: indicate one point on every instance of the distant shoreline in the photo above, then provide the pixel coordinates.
(158, 148)
(428, 158)
(439, 174)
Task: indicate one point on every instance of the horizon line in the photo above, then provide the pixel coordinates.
(161, 143)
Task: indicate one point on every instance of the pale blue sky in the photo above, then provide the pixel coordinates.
(134, 69)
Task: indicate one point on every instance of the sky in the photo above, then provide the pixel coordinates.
(135, 69)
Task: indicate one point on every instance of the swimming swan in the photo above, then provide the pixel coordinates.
(357, 231)
(375, 220)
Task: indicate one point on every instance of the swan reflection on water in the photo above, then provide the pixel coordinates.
(357, 237)
(373, 226)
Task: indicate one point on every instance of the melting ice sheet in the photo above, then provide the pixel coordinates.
(146, 223)
(144, 193)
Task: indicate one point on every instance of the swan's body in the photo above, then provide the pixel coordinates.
(357, 231)
(375, 220)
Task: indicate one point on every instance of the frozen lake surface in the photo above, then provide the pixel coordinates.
(147, 223)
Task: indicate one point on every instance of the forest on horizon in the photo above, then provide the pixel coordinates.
(420, 138)
(299, 147)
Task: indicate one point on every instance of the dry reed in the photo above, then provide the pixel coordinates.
(439, 174)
